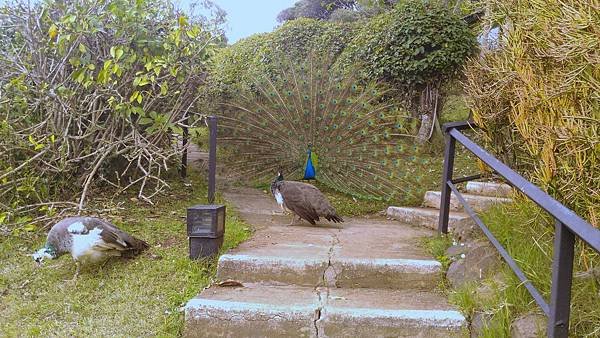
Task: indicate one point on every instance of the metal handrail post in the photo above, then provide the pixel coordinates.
(562, 278)
(449, 153)
(212, 157)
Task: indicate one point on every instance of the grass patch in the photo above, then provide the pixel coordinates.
(138, 297)
(455, 108)
(437, 246)
(528, 234)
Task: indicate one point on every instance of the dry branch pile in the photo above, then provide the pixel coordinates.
(92, 91)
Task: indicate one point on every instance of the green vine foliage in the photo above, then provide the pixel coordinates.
(416, 43)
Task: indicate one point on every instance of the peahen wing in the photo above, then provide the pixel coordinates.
(319, 202)
(113, 238)
(296, 199)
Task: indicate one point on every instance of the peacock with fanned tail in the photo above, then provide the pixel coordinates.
(309, 122)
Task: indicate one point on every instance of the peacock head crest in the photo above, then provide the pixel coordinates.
(46, 252)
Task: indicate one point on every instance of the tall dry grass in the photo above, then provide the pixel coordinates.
(538, 96)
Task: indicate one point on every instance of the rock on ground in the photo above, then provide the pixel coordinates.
(531, 325)
(477, 263)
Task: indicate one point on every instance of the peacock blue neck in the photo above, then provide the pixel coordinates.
(309, 169)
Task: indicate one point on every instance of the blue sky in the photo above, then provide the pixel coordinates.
(246, 17)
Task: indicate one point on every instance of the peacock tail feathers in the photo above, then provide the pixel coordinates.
(362, 143)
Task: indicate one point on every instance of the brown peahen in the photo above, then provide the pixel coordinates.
(304, 200)
(307, 121)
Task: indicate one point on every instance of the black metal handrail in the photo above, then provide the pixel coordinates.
(211, 122)
(568, 225)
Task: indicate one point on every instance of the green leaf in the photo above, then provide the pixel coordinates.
(119, 52)
(183, 21)
(107, 64)
(75, 61)
(53, 31)
(69, 19)
(177, 130)
(134, 96)
(102, 76)
(82, 48)
(112, 52)
(145, 120)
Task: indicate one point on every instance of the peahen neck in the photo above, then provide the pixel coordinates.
(51, 250)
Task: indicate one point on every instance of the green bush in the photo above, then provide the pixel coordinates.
(299, 37)
(416, 43)
(92, 92)
(237, 66)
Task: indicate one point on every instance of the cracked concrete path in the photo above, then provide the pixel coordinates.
(368, 278)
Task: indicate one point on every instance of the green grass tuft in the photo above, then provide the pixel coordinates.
(437, 246)
(528, 233)
(137, 297)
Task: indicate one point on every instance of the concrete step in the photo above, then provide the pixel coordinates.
(476, 202)
(267, 310)
(426, 217)
(255, 267)
(489, 189)
(371, 253)
(382, 273)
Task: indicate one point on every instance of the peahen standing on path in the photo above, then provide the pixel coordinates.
(313, 124)
(88, 240)
(304, 200)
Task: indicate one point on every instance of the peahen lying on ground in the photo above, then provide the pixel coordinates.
(88, 240)
(307, 122)
(304, 200)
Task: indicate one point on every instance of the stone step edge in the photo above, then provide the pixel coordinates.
(432, 200)
(449, 319)
(435, 318)
(338, 271)
(494, 189)
(427, 265)
(425, 217)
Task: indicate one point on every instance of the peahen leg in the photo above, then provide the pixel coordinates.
(294, 219)
(74, 279)
(77, 270)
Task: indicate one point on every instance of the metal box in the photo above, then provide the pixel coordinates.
(206, 221)
(205, 229)
(204, 247)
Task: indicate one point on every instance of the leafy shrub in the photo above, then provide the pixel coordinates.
(239, 64)
(416, 43)
(299, 37)
(92, 91)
